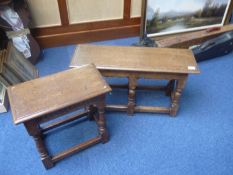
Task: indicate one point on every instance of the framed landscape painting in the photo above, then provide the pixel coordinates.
(175, 16)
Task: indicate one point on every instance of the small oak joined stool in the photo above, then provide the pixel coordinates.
(41, 100)
(139, 62)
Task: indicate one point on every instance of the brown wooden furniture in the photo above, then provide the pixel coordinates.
(185, 40)
(41, 100)
(68, 33)
(136, 63)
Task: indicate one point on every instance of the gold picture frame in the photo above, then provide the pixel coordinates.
(144, 33)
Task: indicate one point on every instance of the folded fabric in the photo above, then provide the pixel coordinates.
(21, 43)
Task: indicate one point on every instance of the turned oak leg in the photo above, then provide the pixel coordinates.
(92, 110)
(34, 130)
(101, 120)
(176, 96)
(170, 88)
(131, 95)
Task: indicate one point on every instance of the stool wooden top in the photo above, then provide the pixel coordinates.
(41, 96)
(161, 60)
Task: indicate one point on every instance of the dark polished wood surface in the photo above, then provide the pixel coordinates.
(42, 100)
(64, 89)
(136, 59)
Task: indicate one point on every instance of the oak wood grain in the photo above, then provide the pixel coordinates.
(163, 60)
(45, 95)
(135, 63)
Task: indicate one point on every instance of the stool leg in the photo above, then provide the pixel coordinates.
(101, 121)
(92, 112)
(131, 95)
(34, 130)
(176, 96)
(170, 87)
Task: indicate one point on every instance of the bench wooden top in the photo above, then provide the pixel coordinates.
(44, 95)
(161, 60)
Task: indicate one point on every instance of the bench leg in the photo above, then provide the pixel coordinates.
(170, 88)
(101, 121)
(176, 96)
(34, 130)
(131, 95)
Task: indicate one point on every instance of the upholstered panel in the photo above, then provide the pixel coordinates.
(94, 10)
(136, 6)
(44, 13)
